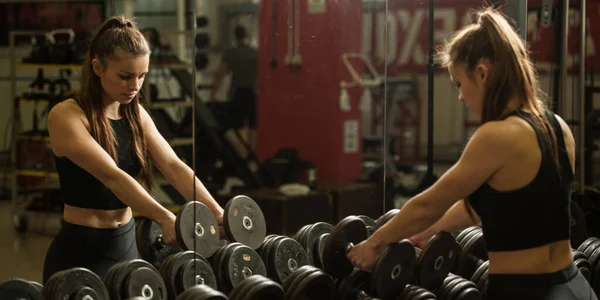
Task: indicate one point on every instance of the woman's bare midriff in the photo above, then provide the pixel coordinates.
(97, 218)
(545, 259)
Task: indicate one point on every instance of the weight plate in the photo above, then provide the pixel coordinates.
(293, 285)
(144, 282)
(358, 280)
(196, 271)
(146, 240)
(394, 269)
(244, 222)
(314, 285)
(118, 287)
(350, 230)
(460, 236)
(38, 286)
(318, 249)
(68, 283)
(201, 292)
(269, 254)
(464, 288)
(242, 289)
(311, 235)
(297, 234)
(165, 273)
(290, 279)
(287, 256)
(436, 260)
(241, 263)
(386, 217)
(586, 243)
(265, 289)
(368, 220)
(221, 270)
(591, 248)
(411, 290)
(197, 229)
(17, 288)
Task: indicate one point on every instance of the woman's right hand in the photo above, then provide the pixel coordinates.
(168, 230)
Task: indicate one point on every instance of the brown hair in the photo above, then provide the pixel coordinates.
(117, 33)
(512, 73)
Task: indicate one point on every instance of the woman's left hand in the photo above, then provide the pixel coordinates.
(364, 255)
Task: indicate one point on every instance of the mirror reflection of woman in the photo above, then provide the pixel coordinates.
(103, 140)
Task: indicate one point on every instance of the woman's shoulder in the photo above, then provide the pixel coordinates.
(67, 111)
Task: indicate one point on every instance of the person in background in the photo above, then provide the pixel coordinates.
(241, 61)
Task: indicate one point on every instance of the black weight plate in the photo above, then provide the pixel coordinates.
(318, 249)
(197, 229)
(293, 285)
(122, 271)
(242, 289)
(145, 282)
(167, 275)
(302, 234)
(586, 243)
(386, 217)
(349, 230)
(469, 260)
(460, 286)
(478, 249)
(287, 256)
(311, 235)
(17, 288)
(394, 268)
(201, 292)
(146, 234)
(196, 271)
(584, 268)
(297, 234)
(447, 285)
(174, 266)
(38, 286)
(265, 289)
(241, 263)
(461, 235)
(68, 283)
(357, 280)
(222, 269)
(302, 270)
(316, 285)
(368, 220)
(270, 254)
(244, 222)
(436, 260)
(578, 255)
(591, 248)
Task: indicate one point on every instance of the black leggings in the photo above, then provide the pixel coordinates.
(565, 284)
(96, 249)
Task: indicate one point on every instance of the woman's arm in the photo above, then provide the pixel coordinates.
(69, 137)
(177, 173)
(455, 219)
(484, 155)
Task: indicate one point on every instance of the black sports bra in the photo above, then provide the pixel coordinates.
(81, 189)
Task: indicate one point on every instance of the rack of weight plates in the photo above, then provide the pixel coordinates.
(246, 263)
(34, 180)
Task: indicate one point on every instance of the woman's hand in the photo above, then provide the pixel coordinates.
(168, 230)
(222, 233)
(364, 255)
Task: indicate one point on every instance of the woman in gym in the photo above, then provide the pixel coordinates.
(103, 142)
(514, 176)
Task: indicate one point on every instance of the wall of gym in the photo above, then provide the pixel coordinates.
(405, 55)
(449, 134)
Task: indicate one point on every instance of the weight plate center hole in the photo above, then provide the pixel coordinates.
(199, 280)
(396, 271)
(246, 272)
(199, 230)
(147, 292)
(439, 262)
(247, 223)
(292, 264)
(87, 297)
